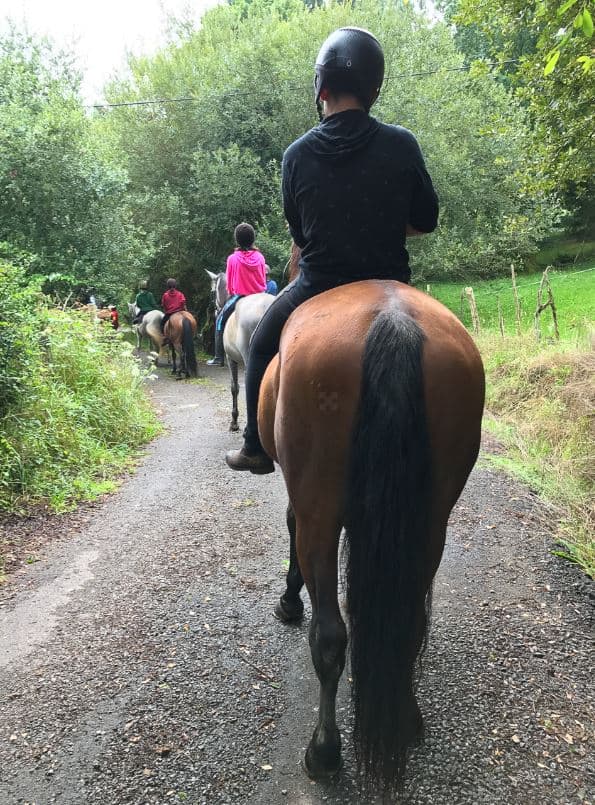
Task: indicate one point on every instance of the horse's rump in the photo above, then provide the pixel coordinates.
(180, 329)
(151, 325)
(174, 325)
(315, 380)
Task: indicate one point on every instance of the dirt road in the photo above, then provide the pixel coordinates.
(140, 663)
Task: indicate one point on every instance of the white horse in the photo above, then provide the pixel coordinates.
(238, 331)
(150, 327)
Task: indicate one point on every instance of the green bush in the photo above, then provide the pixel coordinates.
(19, 322)
(72, 401)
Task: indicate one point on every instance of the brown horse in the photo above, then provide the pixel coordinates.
(373, 409)
(179, 330)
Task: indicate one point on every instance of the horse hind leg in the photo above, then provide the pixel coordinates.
(290, 607)
(317, 546)
(235, 390)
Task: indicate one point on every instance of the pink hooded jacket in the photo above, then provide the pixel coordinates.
(246, 273)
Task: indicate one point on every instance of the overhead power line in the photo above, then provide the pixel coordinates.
(237, 91)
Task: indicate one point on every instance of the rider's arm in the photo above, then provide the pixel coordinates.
(423, 213)
(263, 273)
(289, 206)
(230, 276)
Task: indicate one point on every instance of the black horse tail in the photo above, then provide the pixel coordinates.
(386, 524)
(188, 347)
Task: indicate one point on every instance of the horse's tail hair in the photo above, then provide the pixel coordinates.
(386, 525)
(188, 347)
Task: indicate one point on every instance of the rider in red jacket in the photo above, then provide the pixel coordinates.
(172, 301)
(113, 312)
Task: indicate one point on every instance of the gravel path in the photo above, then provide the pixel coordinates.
(140, 663)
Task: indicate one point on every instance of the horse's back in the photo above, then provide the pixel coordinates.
(311, 391)
(241, 324)
(250, 309)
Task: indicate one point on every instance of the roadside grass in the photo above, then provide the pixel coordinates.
(541, 393)
(541, 398)
(574, 296)
(81, 414)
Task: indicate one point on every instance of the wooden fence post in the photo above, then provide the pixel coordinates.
(541, 306)
(517, 304)
(500, 318)
(470, 297)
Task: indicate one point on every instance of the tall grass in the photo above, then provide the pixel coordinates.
(541, 393)
(74, 407)
(541, 398)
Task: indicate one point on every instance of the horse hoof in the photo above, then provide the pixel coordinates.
(289, 613)
(323, 763)
(234, 427)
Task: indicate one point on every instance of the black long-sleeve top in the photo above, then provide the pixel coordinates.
(350, 187)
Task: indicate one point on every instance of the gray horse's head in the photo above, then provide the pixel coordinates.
(218, 288)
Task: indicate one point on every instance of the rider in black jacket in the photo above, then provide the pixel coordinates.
(353, 189)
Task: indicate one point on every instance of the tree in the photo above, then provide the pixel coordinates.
(63, 195)
(554, 79)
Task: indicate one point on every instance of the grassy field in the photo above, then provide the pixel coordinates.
(574, 296)
(540, 394)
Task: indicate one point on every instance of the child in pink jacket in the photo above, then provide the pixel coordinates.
(245, 274)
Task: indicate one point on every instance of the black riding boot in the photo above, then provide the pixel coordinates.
(218, 360)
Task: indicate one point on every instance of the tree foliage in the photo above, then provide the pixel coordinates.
(63, 193)
(208, 162)
(554, 76)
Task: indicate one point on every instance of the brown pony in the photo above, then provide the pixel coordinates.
(179, 330)
(373, 410)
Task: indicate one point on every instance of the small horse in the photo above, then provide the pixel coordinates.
(180, 329)
(376, 427)
(238, 331)
(149, 327)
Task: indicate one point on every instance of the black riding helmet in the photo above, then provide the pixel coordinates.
(350, 60)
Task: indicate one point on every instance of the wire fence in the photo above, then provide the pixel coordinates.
(518, 305)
